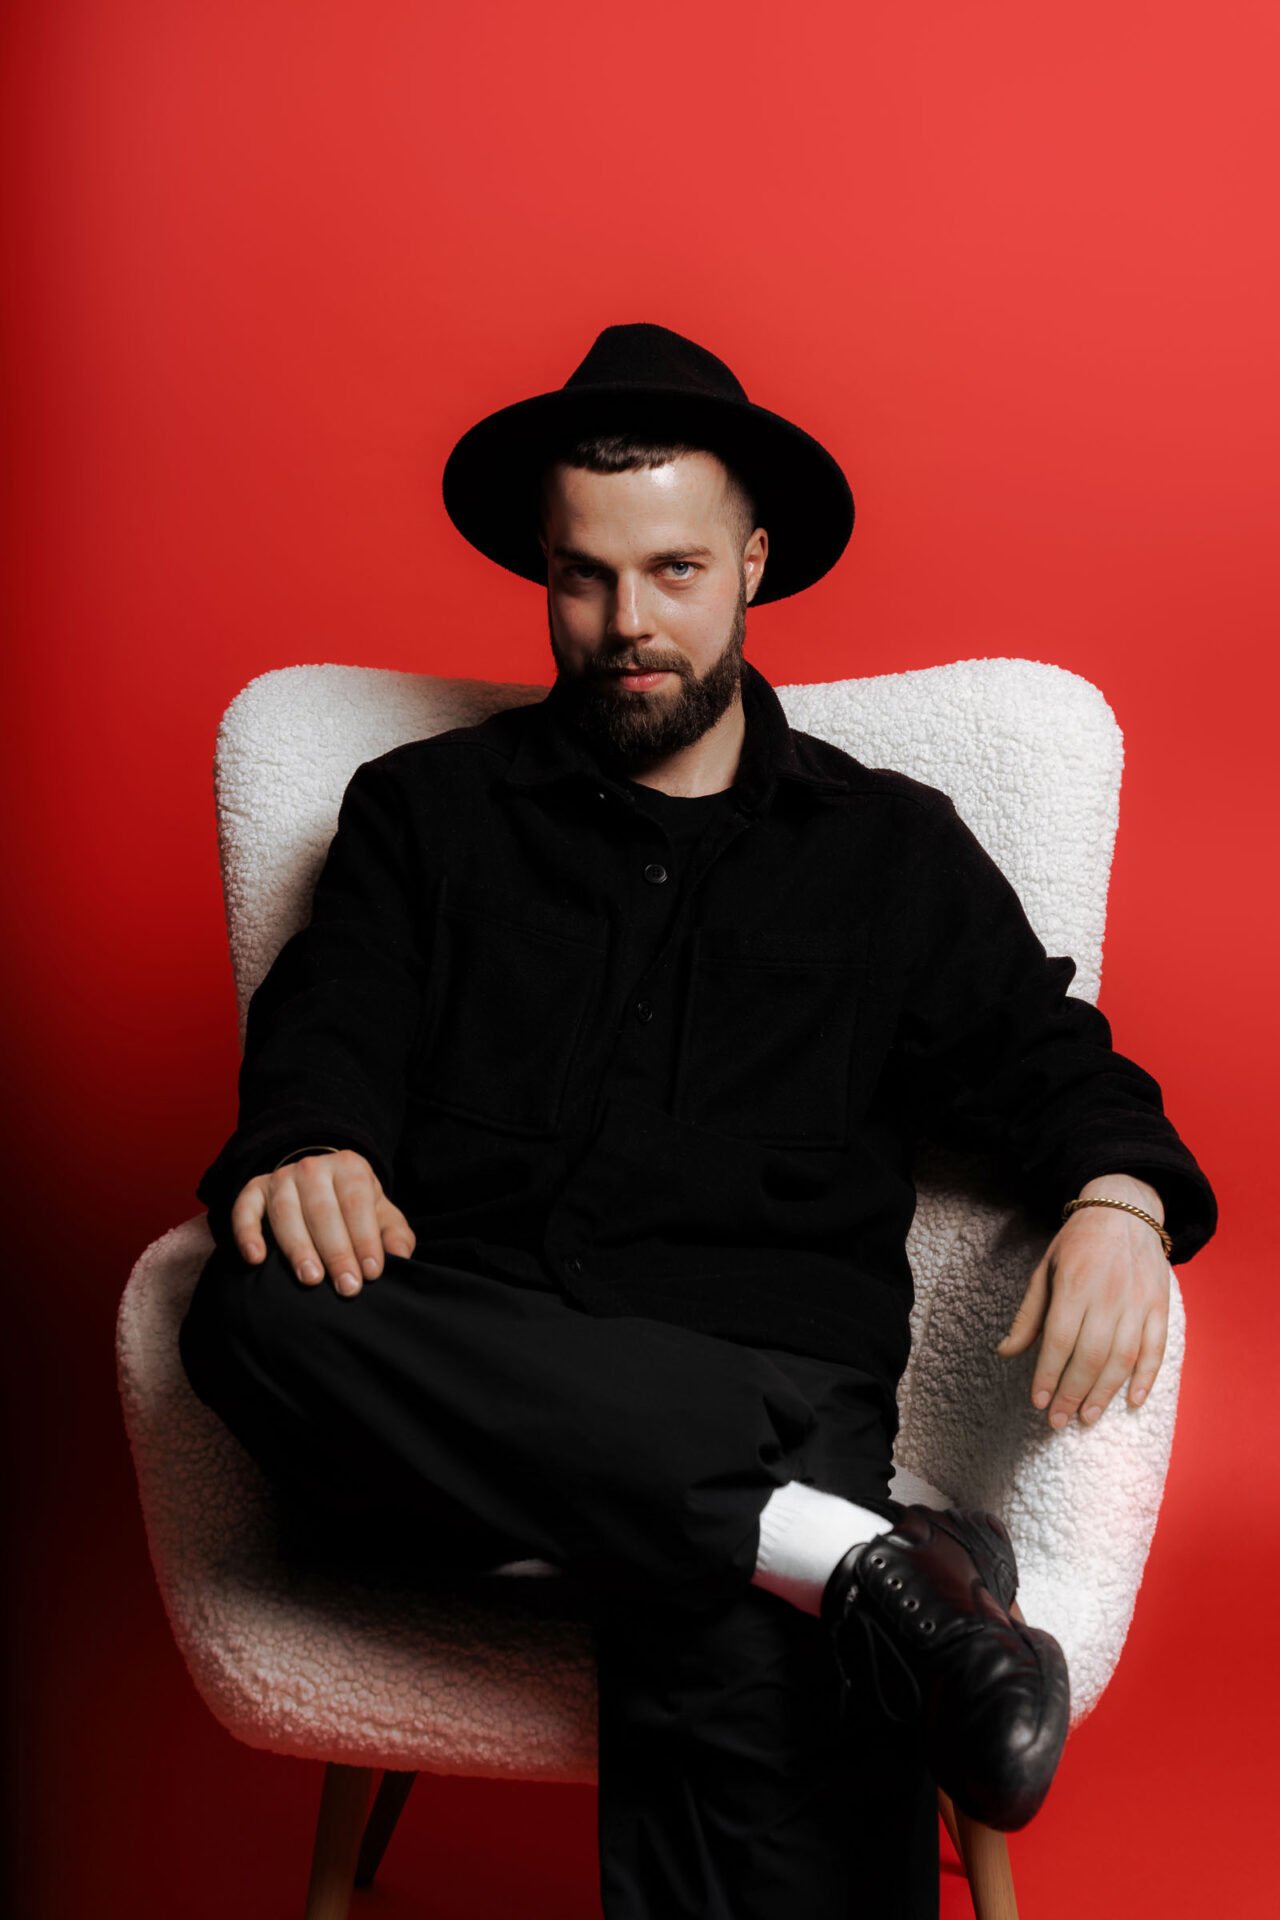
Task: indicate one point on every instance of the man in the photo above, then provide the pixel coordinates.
(602, 1060)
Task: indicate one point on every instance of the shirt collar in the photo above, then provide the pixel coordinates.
(551, 749)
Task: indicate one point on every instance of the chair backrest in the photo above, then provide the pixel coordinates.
(1031, 754)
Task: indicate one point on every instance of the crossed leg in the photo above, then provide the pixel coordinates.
(472, 1422)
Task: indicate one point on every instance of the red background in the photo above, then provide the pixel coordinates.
(1016, 266)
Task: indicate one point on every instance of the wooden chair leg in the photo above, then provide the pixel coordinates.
(985, 1852)
(387, 1805)
(343, 1803)
(948, 1812)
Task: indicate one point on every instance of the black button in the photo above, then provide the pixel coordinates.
(643, 1010)
(573, 1264)
(655, 873)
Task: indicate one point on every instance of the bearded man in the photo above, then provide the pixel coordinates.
(565, 1215)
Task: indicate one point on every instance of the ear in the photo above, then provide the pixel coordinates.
(754, 557)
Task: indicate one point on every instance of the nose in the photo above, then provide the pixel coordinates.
(629, 615)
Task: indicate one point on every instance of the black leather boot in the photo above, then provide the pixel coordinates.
(991, 1694)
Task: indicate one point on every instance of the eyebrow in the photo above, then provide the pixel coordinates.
(667, 553)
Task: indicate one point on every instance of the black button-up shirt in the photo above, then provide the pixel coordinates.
(673, 1056)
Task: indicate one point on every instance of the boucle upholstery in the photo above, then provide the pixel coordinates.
(318, 1666)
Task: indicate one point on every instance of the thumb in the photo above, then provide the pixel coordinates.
(1026, 1321)
(246, 1219)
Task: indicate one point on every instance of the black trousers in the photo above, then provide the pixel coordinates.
(445, 1420)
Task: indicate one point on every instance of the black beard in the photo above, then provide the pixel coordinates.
(632, 731)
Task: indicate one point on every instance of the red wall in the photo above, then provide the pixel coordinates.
(1016, 266)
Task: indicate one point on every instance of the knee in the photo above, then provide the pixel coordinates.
(243, 1318)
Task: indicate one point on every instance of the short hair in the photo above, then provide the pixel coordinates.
(628, 451)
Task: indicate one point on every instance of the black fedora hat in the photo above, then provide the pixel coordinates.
(646, 378)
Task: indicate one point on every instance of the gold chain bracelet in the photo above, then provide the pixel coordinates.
(300, 1153)
(1097, 1200)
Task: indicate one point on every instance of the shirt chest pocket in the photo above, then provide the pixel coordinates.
(769, 1032)
(513, 981)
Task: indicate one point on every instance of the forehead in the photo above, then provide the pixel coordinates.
(683, 496)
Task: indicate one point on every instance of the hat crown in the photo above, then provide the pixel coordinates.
(642, 354)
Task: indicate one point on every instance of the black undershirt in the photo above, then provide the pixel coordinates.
(682, 815)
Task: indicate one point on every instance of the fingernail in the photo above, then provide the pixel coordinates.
(1059, 1418)
(347, 1283)
(1090, 1414)
(371, 1267)
(308, 1270)
(1040, 1397)
(1139, 1393)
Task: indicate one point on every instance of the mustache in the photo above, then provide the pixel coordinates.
(637, 666)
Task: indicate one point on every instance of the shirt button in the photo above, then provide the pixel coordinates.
(573, 1264)
(655, 872)
(643, 1010)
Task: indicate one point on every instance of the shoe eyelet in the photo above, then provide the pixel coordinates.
(894, 1580)
(926, 1625)
(909, 1600)
(877, 1559)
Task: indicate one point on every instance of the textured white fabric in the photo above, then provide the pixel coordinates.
(1031, 754)
(804, 1535)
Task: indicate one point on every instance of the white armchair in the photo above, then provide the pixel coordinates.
(318, 1666)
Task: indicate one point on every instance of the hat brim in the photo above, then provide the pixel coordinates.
(802, 497)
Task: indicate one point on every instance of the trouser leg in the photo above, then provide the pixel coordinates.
(732, 1787)
(501, 1422)
(738, 1779)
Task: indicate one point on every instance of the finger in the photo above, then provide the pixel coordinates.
(1087, 1359)
(357, 1191)
(246, 1221)
(288, 1223)
(398, 1236)
(1155, 1334)
(1026, 1321)
(326, 1221)
(1119, 1363)
(1062, 1327)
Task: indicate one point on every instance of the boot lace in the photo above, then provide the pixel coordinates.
(876, 1630)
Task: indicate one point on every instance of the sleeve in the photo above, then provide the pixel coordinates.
(993, 1052)
(331, 1029)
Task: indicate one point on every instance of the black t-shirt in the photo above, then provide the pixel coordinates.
(682, 815)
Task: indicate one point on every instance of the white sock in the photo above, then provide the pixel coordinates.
(804, 1535)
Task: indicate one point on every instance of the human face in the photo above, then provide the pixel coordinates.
(647, 590)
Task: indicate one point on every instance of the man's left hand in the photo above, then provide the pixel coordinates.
(1105, 1281)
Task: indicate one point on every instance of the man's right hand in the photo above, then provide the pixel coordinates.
(327, 1212)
